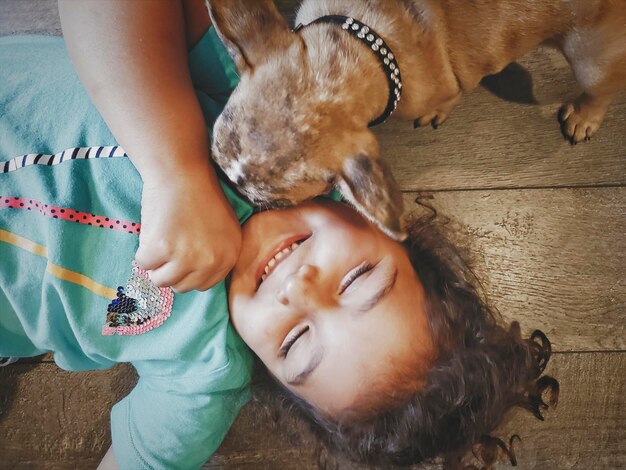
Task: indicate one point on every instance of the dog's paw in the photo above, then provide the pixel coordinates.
(581, 118)
(442, 110)
(435, 119)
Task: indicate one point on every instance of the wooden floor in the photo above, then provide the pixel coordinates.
(544, 224)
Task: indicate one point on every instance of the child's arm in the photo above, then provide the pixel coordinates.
(132, 59)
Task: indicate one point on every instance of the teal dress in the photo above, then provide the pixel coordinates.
(69, 224)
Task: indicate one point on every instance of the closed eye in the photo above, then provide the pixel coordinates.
(353, 275)
(290, 341)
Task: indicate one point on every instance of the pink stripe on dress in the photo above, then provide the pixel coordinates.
(70, 215)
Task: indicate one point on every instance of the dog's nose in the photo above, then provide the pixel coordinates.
(240, 180)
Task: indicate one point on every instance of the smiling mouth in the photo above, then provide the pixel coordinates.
(279, 254)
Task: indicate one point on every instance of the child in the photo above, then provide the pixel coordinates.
(69, 230)
(387, 346)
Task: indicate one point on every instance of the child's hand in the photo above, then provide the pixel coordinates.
(190, 236)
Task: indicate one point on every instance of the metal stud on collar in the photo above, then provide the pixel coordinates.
(382, 52)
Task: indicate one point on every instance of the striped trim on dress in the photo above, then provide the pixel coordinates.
(110, 151)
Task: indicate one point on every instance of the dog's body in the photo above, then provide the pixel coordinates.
(445, 47)
(297, 124)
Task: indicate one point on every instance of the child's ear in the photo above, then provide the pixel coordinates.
(367, 183)
(250, 29)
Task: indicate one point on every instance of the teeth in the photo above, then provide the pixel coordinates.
(274, 261)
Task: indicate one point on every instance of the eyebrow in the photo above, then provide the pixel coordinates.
(374, 299)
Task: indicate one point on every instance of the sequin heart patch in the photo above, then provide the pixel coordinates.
(139, 308)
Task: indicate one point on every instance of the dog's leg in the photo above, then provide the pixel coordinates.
(440, 114)
(598, 59)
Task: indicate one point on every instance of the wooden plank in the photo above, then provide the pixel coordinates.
(50, 418)
(16, 16)
(491, 143)
(588, 429)
(29, 17)
(59, 420)
(552, 259)
(506, 135)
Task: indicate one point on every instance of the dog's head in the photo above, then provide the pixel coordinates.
(284, 136)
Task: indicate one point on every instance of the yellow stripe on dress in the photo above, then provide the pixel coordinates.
(24, 243)
(55, 270)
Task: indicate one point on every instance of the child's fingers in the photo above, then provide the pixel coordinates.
(146, 258)
(186, 284)
(199, 280)
(167, 275)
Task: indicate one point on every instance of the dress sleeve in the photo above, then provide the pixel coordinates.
(177, 423)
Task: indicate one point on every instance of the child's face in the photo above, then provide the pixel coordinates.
(344, 291)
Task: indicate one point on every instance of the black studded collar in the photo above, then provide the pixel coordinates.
(380, 49)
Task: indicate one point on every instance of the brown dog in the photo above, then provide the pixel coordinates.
(297, 124)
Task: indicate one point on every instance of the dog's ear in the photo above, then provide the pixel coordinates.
(367, 183)
(250, 29)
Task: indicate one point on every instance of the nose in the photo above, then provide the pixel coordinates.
(302, 288)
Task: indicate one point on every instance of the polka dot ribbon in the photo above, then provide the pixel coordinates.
(70, 215)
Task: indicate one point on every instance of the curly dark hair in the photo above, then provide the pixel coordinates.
(482, 370)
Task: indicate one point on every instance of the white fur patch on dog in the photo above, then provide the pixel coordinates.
(590, 52)
(576, 45)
